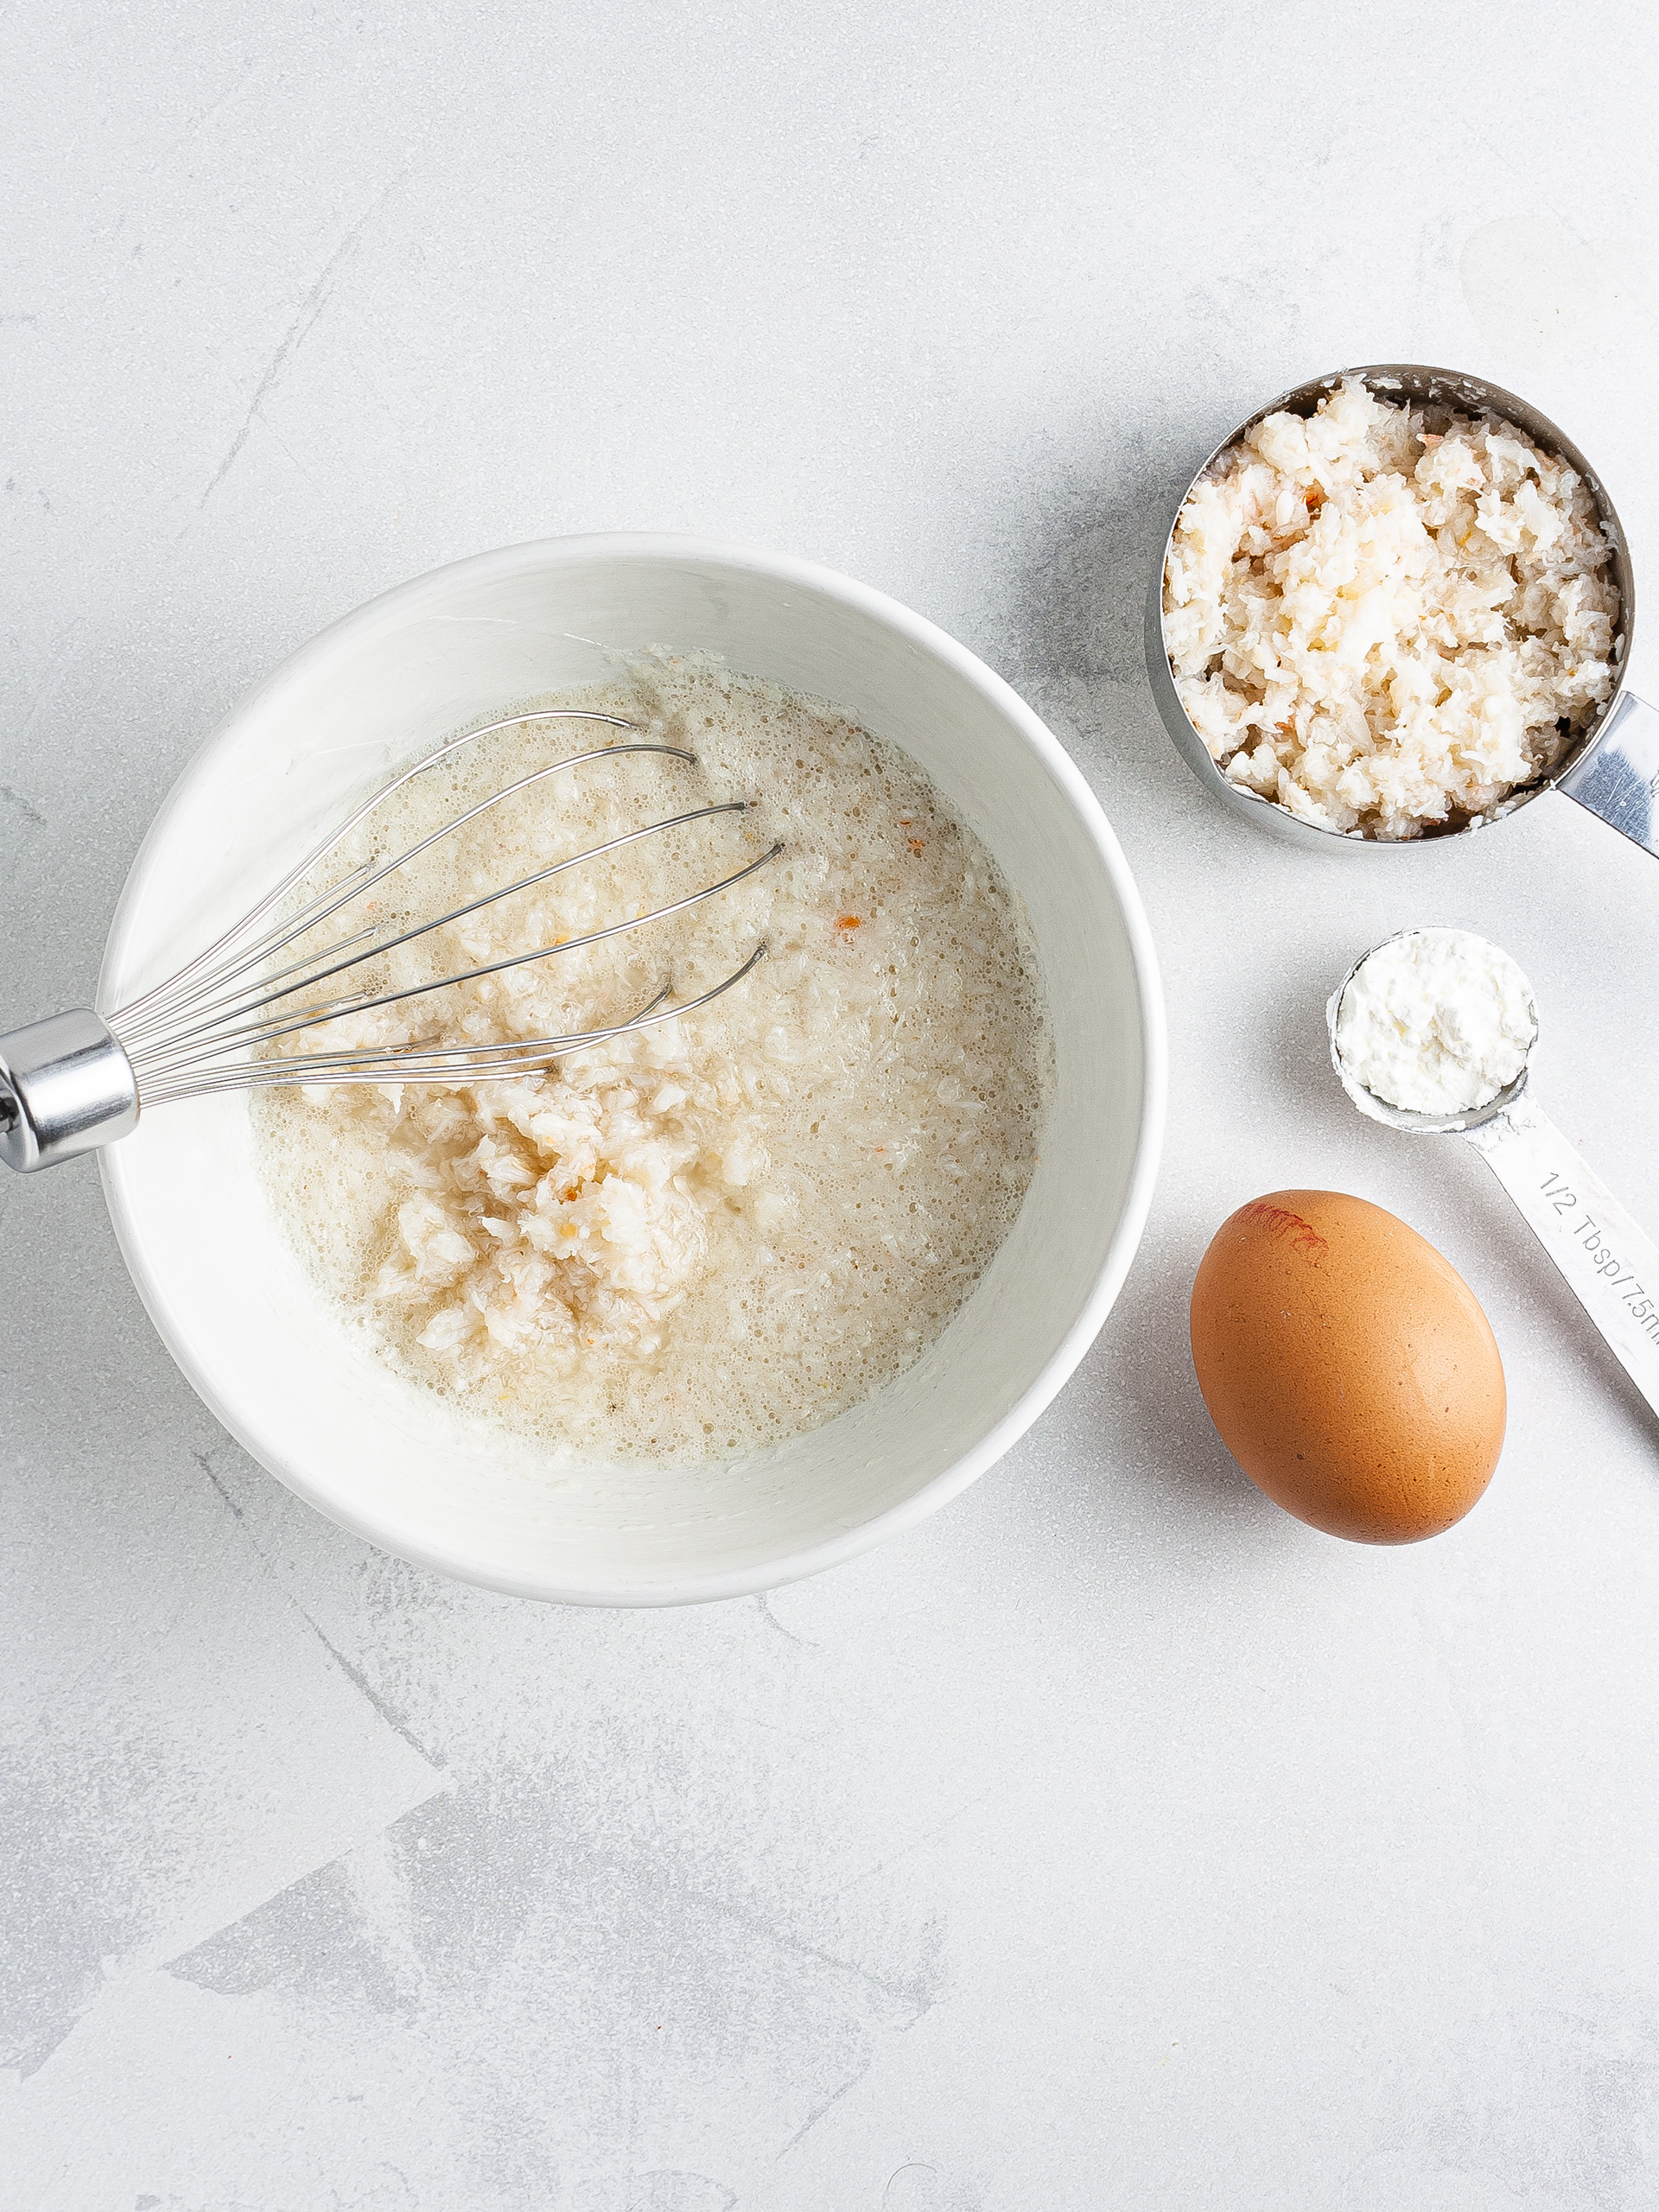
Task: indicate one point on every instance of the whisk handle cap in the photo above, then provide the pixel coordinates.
(65, 1087)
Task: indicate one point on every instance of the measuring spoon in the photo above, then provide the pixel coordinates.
(1609, 1263)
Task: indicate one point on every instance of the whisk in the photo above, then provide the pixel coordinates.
(79, 1080)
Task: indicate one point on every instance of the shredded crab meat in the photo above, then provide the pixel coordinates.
(1386, 627)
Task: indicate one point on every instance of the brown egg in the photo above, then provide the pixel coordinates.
(1348, 1367)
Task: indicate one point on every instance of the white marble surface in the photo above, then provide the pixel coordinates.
(1115, 1841)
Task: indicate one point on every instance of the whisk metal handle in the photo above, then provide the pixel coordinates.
(65, 1087)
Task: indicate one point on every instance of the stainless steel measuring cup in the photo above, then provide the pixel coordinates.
(1613, 767)
(1610, 1264)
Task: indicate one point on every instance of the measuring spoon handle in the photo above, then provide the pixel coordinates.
(1611, 1266)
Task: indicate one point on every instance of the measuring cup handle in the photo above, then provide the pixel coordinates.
(1612, 1267)
(1618, 778)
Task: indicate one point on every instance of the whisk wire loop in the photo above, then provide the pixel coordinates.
(451, 1063)
(219, 1012)
(200, 1030)
(187, 1047)
(142, 1015)
(79, 1080)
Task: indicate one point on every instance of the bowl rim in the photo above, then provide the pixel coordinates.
(925, 637)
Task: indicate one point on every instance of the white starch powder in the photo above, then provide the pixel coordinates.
(1436, 1021)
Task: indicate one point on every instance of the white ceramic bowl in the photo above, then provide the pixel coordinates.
(393, 1463)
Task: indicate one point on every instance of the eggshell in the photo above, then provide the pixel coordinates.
(1348, 1367)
